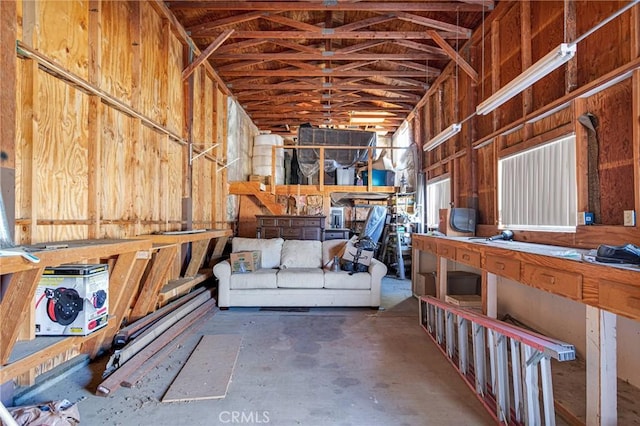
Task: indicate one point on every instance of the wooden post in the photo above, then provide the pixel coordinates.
(602, 386)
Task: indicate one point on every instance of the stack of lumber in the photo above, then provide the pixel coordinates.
(146, 342)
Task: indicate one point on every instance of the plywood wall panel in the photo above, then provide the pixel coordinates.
(510, 62)
(154, 66)
(118, 162)
(486, 186)
(62, 33)
(117, 56)
(613, 109)
(609, 47)
(547, 21)
(175, 115)
(61, 156)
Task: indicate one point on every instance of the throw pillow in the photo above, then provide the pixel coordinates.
(301, 254)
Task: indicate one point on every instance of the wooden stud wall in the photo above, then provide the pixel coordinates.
(87, 168)
(515, 35)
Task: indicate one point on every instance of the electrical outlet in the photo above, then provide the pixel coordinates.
(629, 218)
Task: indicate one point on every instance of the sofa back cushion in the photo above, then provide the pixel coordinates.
(301, 254)
(270, 249)
(331, 248)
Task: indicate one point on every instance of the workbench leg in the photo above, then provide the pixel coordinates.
(490, 294)
(156, 278)
(602, 386)
(441, 288)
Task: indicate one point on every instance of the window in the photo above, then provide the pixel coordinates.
(438, 197)
(537, 188)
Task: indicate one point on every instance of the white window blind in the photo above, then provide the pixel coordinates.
(537, 188)
(438, 197)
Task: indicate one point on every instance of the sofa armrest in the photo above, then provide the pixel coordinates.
(222, 271)
(377, 270)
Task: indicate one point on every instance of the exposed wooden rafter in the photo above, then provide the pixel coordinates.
(318, 61)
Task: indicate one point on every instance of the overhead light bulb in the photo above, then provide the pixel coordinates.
(443, 136)
(551, 61)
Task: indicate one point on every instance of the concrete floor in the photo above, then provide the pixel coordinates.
(321, 367)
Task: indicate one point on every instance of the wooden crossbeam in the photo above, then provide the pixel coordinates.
(337, 35)
(468, 69)
(318, 72)
(206, 53)
(468, 6)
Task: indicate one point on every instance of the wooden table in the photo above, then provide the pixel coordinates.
(127, 259)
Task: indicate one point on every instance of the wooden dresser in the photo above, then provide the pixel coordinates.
(291, 227)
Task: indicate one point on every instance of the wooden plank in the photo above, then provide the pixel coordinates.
(157, 357)
(179, 287)
(17, 300)
(207, 373)
(198, 253)
(16, 368)
(125, 333)
(114, 381)
(161, 264)
(8, 70)
(464, 65)
(206, 53)
(217, 251)
(602, 407)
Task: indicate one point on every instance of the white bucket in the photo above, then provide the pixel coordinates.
(265, 160)
(345, 176)
(266, 150)
(267, 140)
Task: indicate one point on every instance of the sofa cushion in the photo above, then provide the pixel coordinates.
(331, 248)
(301, 254)
(301, 278)
(262, 278)
(342, 280)
(270, 249)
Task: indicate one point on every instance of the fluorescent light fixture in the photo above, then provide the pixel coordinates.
(535, 72)
(443, 136)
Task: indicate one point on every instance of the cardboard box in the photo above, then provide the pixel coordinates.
(472, 301)
(353, 254)
(246, 261)
(72, 300)
(425, 285)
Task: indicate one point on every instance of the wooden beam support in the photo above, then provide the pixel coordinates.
(602, 379)
(469, 6)
(206, 53)
(464, 65)
(18, 298)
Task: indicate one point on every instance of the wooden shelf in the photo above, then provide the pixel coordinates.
(22, 278)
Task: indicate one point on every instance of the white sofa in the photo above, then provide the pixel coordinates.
(294, 274)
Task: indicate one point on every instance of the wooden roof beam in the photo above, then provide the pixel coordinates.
(392, 6)
(303, 26)
(464, 33)
(320, 72)
(206, 53)
(234, 47)
(421, 47)
(464, 65)
(324, 34)
(319, 56)
(360, 46)
(321, 85)
(229, 20)
(364, 23)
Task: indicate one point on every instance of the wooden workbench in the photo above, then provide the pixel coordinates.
(607, 291)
